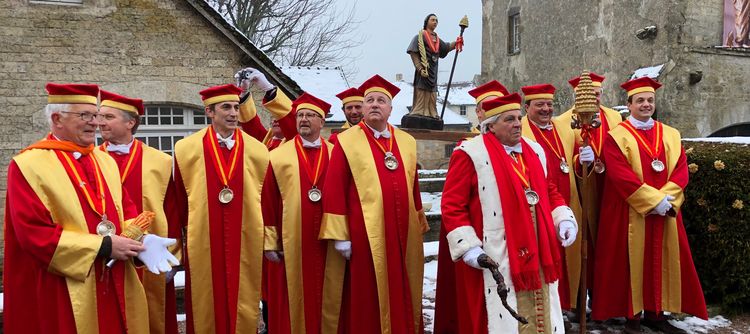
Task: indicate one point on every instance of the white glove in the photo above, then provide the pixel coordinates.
(472, 255)
(344, 247)
(274, 256)
(255, 78)
(566, 232)
(663, 206)
(156, 256)
(585, 154)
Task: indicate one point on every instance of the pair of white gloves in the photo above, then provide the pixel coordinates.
(341, 246)
(254, 77)
(156, 257)
(663, 206)
(566, 233)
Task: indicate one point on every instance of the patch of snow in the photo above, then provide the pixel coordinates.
(459, 94)
(431, 171)
(694, 325)
(181, 317)
(322, 82)
(179, 279)
(431, 202)
(430, 248)
(728, 140)
(2, 300)
(651, 72)
(433, 179)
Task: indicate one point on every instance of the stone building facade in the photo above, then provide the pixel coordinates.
(705, 87)
(163, 51)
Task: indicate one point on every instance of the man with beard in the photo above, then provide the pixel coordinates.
(218, 175)
(643, 260)
(425, 49)
(375, 218)
(351, 100)
(146, 173)
(305, 294)
(498, 203)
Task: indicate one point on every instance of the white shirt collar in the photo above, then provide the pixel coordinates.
(549, 126)
(226, 142)
(377, 134)
(120, 148)
(314, 144)
(647, 125)
(515, 148)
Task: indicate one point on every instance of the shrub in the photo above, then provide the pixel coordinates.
(716, 215)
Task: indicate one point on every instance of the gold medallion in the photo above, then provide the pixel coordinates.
(599, 167)
(314, 194)
(531, 197)
(105, 228)
(390, 161)
(657, 165)
(226, 195)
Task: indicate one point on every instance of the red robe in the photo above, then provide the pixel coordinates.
(460, 305)
(280, 108)
(224, 249)
(628, 201)
(45, 254)
(160, 294)
(391, 219)
(296, 287)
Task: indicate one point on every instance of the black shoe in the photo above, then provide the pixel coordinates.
(633, 326)
(663, 326)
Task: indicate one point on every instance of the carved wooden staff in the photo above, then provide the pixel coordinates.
(464, 23)
(586, 108)
(485, 261)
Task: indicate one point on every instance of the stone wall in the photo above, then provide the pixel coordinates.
(559, 39)
(157, 50)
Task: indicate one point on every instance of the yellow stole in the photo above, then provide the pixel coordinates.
(156, 170)
(362, 164)
(77, 249)
(641, 202)
(285, 162)
(346, 125)
(191, 161)
(572, 253)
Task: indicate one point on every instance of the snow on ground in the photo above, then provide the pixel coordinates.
(651, 72)
(431, 203)
(729, 140)
(430, 248)
(428, 293)
(179, 279)
(431, 171)
(694, 325)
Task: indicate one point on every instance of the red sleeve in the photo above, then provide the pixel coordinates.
(333, 138)
(619, 171)
(255, 128)
(680, 175)
(455, 205)
(288, 125)
(416, 193)
(271, 203)
(31, 221)
(555, 199)
(339, 185)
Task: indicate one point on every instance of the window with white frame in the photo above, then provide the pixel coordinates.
(514, 31)
(462, 110)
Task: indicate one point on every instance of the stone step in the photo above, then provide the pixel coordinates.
(431, 181)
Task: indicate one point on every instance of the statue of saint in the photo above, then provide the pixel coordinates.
(425, 49)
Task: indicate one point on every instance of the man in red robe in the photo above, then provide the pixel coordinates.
(65, 208)
(557, 140)
(146, 173)
(311, 271)
(218, 176)
(498, 202)
(351, 105)
(643, 259)
(375, 218)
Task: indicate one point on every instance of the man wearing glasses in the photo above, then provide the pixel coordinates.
(64, 213)
(293, 193)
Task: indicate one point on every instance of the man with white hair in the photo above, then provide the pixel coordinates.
(500, 211)
(146, 173)
(65, 210)
(375, 218)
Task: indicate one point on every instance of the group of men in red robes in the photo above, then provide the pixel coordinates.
(329, 232)
(510, 190)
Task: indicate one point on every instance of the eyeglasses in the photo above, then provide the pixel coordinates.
(86, 116)
(309, 116)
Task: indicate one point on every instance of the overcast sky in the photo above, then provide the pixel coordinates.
(389, 25)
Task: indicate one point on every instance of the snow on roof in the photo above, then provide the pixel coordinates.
(459, 94)
(651, 72)
(322, 82)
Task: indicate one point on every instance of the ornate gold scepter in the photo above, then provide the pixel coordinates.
(584, 113)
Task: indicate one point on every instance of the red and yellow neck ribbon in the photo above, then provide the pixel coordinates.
(225, 171)
(100, 207)
(653, 149)
(520, 168)
(131, 157)
(435, 47)
(557, 149)
(313, 177)
(371, 135)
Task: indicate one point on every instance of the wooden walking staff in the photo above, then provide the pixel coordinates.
(584, 115)
(464, 23)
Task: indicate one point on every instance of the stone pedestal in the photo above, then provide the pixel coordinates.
(421, 122)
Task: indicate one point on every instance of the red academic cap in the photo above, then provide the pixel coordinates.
(535, 92)
(308, 101)
(501, 104)
(72, 93)
(378, 84)
(640, 85)
(109, 99)
(222, 93)
(596, 80)
(350, 95)
(492, 88)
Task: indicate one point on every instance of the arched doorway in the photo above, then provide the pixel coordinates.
(734, 130)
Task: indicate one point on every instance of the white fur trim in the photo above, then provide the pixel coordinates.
(561, 213)
(461, 240)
